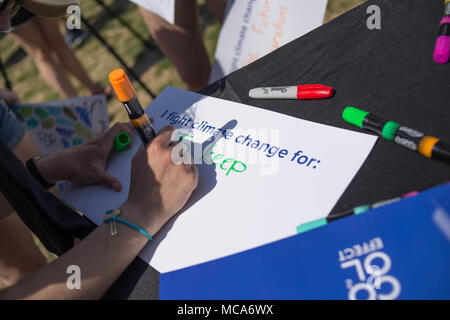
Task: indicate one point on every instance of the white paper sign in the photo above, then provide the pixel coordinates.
(58, 125)
(272, 172)
(163, 8)
(254, 28)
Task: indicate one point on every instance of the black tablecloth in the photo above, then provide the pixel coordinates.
(389, 72)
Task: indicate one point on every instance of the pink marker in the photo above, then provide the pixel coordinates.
(442, 49)
(410, 194)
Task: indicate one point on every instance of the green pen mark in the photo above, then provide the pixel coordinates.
(68, 112)
(234, 167)
(41, 113)
(229, 164)
(216, 157)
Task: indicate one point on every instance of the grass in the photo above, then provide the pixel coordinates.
(155, 70)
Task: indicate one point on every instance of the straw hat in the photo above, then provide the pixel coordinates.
(48, 8)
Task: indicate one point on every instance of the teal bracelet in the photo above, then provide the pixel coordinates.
(129, 224)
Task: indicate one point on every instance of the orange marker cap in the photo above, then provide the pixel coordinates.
(121, 84)
(426, 145)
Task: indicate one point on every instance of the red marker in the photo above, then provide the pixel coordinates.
(302, 92)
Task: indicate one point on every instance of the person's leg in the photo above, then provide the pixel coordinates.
(182, 43)
(55, 41)
(19, 255)
(31, 40)
(218, 8)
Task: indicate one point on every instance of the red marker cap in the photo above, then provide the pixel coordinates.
(314, 91)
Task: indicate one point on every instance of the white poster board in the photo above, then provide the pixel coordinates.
(298, 178)
(254, 28)
(163, 8)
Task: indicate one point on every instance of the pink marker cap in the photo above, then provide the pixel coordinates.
(442, 49)
(410, 194)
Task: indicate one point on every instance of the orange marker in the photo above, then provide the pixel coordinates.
(126, 94)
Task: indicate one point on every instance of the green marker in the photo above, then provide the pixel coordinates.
(324, 221)
(365, 120)
(428, 146)
(122, 141)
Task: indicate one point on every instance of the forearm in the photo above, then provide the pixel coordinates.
(159, 188)
(101, 259)
(51, 167)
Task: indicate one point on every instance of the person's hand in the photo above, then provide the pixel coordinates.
(159, 187)
(9, 97)
(85, 163)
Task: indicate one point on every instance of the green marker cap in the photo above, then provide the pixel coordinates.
(361, 209)
(354, 116)
(389, 130)
(122, 141)
(311, 225)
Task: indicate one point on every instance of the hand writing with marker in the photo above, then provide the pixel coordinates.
(159, 187)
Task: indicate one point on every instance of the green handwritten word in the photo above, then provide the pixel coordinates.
(228, 164)
(234, 167)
